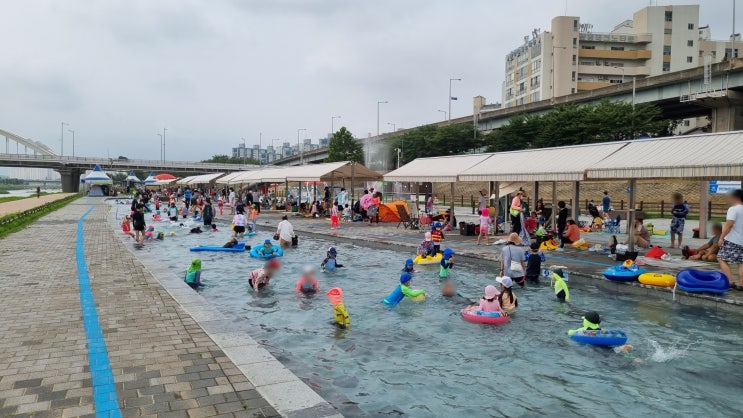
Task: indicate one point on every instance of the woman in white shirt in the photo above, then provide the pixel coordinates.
(285, 230)
(731, 240)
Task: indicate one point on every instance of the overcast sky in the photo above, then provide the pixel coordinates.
(215, 71)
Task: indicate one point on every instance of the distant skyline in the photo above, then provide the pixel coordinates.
(213, 72)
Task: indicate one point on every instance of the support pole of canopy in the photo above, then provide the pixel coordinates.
(353, 184)
(576, 201)
(554, 207)
(299, 198)
(451, 206)
(496, 191)
(632, 213)
(703, 206)
(536, 198)
(286, 194)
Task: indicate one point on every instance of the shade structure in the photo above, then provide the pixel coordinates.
(331, 171)
(165, 176)
(204, 178)
(184, 181)
(97, 176)
(132, 178)
(150, 180)
(435, 169)
(544, 164)
(717, 156)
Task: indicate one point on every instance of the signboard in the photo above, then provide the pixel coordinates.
(723, 187)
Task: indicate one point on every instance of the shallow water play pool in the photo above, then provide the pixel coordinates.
(422, 359)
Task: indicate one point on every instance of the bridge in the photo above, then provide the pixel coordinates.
(680, 95)
(70, 168)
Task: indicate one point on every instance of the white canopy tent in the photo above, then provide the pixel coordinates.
(435, 169)
(184, 181)
(204, 178)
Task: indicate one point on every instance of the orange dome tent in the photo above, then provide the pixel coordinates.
(388, 212)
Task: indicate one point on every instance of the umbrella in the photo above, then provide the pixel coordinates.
(164, 176)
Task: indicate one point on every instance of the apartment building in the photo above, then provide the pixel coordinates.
(572, 57)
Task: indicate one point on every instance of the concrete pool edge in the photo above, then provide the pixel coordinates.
(634, 288)
(278, 385)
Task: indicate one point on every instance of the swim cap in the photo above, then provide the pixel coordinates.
(405, 277)
(593, 316)
(335, 295)
(448, 252)
(332, 250)
(409, 261)
(428, 236)
(268, 241)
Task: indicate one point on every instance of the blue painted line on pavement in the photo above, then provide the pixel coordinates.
(104, 390)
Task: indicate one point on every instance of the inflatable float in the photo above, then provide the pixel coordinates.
(656, 279)
(482, 317)
(607, 338)
(255, 254)
(702, 281)
(238, 248)
(626, 272)
(428, 260)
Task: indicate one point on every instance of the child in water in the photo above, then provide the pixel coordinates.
(126, 226)
(214, 228)
(260, 278)
(268, 249)
(489, 302)
(409, 266)
(307, 283)
(340, 315)
(534, 260)
(507, 298)
(426, 248)
(447, 263)
(591, 322)
(330, 263)
(193, 274)
(402, 290)
(231, 243)
(561, 288)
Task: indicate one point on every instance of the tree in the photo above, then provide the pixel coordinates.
(434, 141)
(344, 147)
(224, 159)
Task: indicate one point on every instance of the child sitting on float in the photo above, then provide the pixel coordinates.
(489, 302)
(307, 283)
(591, 322)
(267, 249)
(426, 248)
(507, 298)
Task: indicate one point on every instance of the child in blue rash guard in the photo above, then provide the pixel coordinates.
(402, 290)
(409, 266)
(591, 322)
(193, 274)
(447, 263)
(267, 249)
(330, 263)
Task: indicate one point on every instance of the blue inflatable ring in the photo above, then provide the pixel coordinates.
(605, 338)
(702, 281)
(620, 273)
(255, 254)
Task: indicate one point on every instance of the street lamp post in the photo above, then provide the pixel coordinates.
(245, 151)
(73, 140)
(398, 156)
(393, 126)
(444, 112)
(61, 139)
(378, 103)
(332, 124)
(299, 149)
(161, 146)
(450, 97)
(164, 130)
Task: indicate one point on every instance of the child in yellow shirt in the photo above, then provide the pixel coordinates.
(341, 317)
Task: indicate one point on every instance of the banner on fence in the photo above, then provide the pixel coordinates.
(723, 187)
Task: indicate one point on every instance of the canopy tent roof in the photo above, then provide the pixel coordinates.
(435, 169)
(184, 181)
(132, 178)
(227, 178)
(545, 164)
(311, 172)
(204, 178)
(150, 180)
(97, 176)
(717, 156)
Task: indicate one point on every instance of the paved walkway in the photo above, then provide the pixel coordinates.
(30, 203)
(163, 363)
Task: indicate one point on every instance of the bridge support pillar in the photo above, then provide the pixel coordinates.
(728, 117)
(70, 179)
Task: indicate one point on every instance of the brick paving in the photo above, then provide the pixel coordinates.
(30, 203)
(163, 362)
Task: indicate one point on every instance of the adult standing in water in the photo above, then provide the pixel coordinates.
(285, 230)
(731, 240)
(207, 214)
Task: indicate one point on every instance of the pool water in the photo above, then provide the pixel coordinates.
(423, 360)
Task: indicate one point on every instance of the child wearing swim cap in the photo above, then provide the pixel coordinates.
(402, 290)
(267, 250)
(426, 248)
(340, 316)
(409, 266)
(193, 274)
(330, 263)
(591, 322)
(447, 263)
(307, 283)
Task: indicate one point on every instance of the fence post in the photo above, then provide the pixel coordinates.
(709, 210)
(662, 208)
(461, 200)
(642, 204)
(621, 204)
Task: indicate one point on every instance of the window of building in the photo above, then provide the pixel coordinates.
(690, 43)
(615, 81)
(714, 54)
(575, 42)
(701, 53)
(727, 52)
(572, 90)
(575, 59)
(667, 31)
(522, 87)
(617, 48)
(666, 49)
(691, 26)
(617, 64)
(575, 24)
(534, 82)
(535, 96)
(689, 59)
(666, 66)
(586, 63)
(686, 122)
(669, 16)
(588, 46)
(573, 75)
(536, 65)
